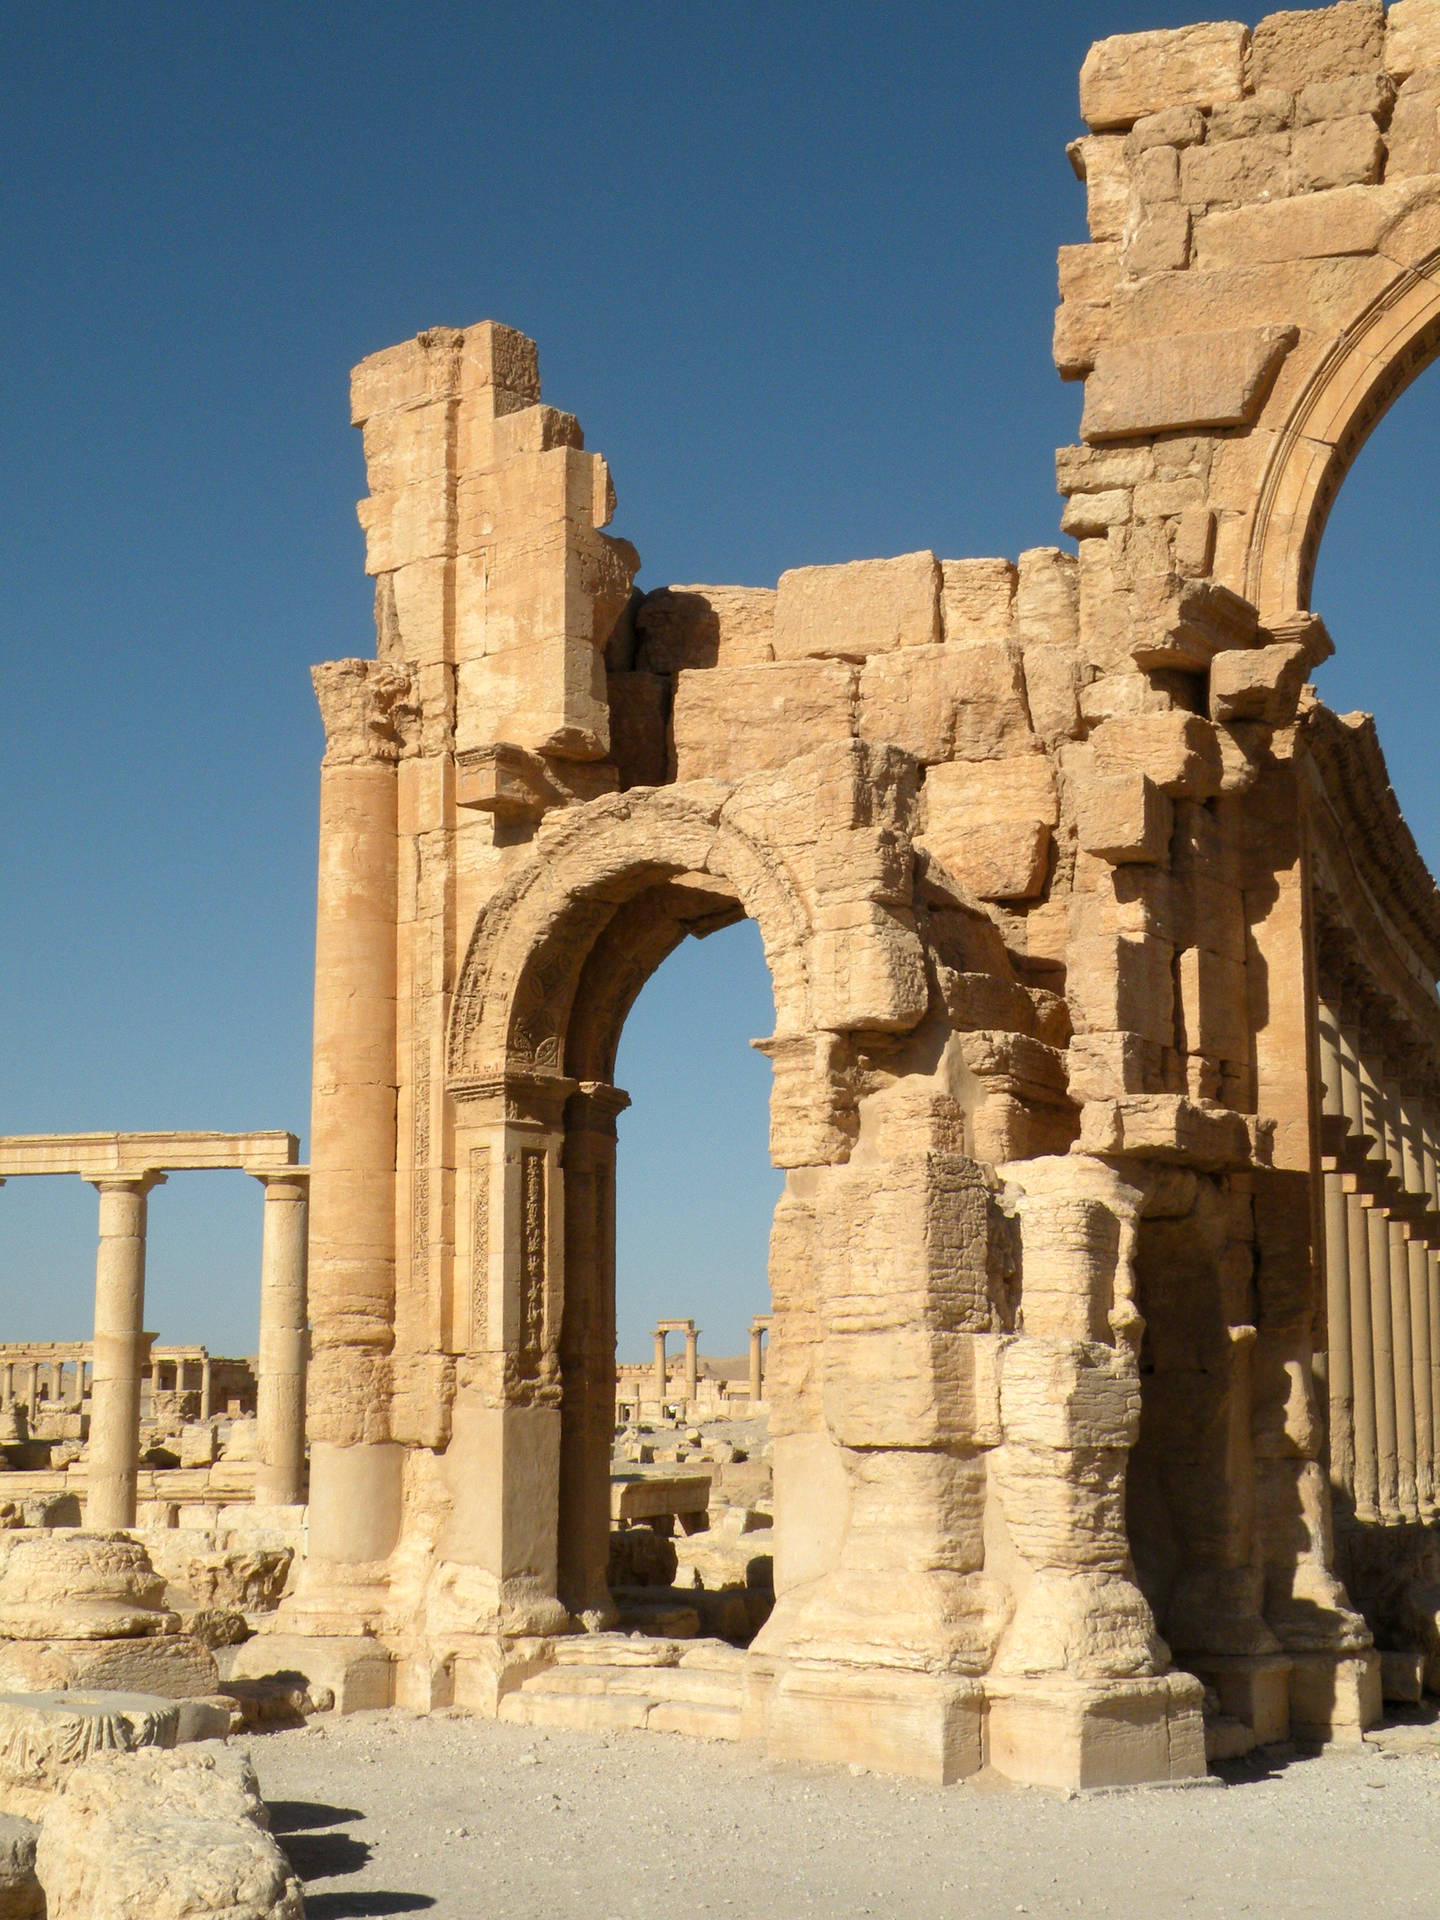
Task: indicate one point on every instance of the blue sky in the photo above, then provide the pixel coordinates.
(793, 266)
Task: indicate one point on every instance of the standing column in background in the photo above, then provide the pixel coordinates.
(280, 1386)
(32, 1388)
(119, 1352)
(692, 1363)
(757, 1362)
(206, 1388)
(658, 1383)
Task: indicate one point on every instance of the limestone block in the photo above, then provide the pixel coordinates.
(1067, 1394)
(21, 1897)
(732, 721)
(1291, 50)
(1102, 1065)
(171, 1666)
(1167, 1127)
(1096, 469)
(1334, 1699)
(977, 597)
(1132, 74)
(356, 1673)
(967, 793)
(1168, 127)
(1205, 380)
(1233, 173)
(705, 627)
(988, 822)
(45, 1736)
(1262, 683)
(1123, 817)
(1116, 984)
(1212, 1009)
(1177, 750)
(176, 1836)
(1047, 597)
(858, 608)
(1052, 687)
(1358, 93)
(1100, 162)
(1413, 140)
(1157, 175)
(1193, 542)
(1161, 243)
(1317, 226)
(868, 969)
(1063, 1511)
(410, 375)
(922, 1725)
(1412, 37)
(1337, 153)
(1271, 110)
(943, 701)
(1087, 514)
(1107, 1734)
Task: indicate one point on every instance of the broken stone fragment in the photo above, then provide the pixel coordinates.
(175, 1836)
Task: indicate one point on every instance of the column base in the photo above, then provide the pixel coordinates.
(1253, 1688)
(928, 1726)
(1334, 1696)
(358, 1671)
(1054, 1732)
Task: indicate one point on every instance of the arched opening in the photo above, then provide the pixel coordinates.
(595, 1568)
(695, 1193)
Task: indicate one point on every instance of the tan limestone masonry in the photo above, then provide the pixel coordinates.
(1104, 1343)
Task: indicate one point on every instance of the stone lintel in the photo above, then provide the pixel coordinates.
(135, 1156)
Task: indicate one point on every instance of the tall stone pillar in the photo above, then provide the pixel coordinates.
(658, 1385)
(280, 1394)
(757, 1363)
(207, 1388)
(119, 1352)
(587, 1351)
(32, 1389)
(355, 1465)
(692, 1363)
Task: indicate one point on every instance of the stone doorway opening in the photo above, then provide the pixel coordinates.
(679, 1270)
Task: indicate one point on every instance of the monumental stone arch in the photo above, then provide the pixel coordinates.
(1106, 1278)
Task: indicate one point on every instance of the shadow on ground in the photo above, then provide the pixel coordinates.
(317, 1855)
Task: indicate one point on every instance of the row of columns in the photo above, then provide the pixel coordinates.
(121, 1347)
(759, 1327)
(42, 1379)
(1381, 1170)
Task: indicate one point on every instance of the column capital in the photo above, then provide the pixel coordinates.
(282, 1177)
(362, 705)
(139, 1183)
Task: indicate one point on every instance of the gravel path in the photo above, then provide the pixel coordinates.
(387, 1814)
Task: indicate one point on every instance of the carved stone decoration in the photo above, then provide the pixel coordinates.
(479, 1249)
(532, 1256)
(359, 704)
(45, 1736)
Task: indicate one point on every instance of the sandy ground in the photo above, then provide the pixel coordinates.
(385, 1814)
